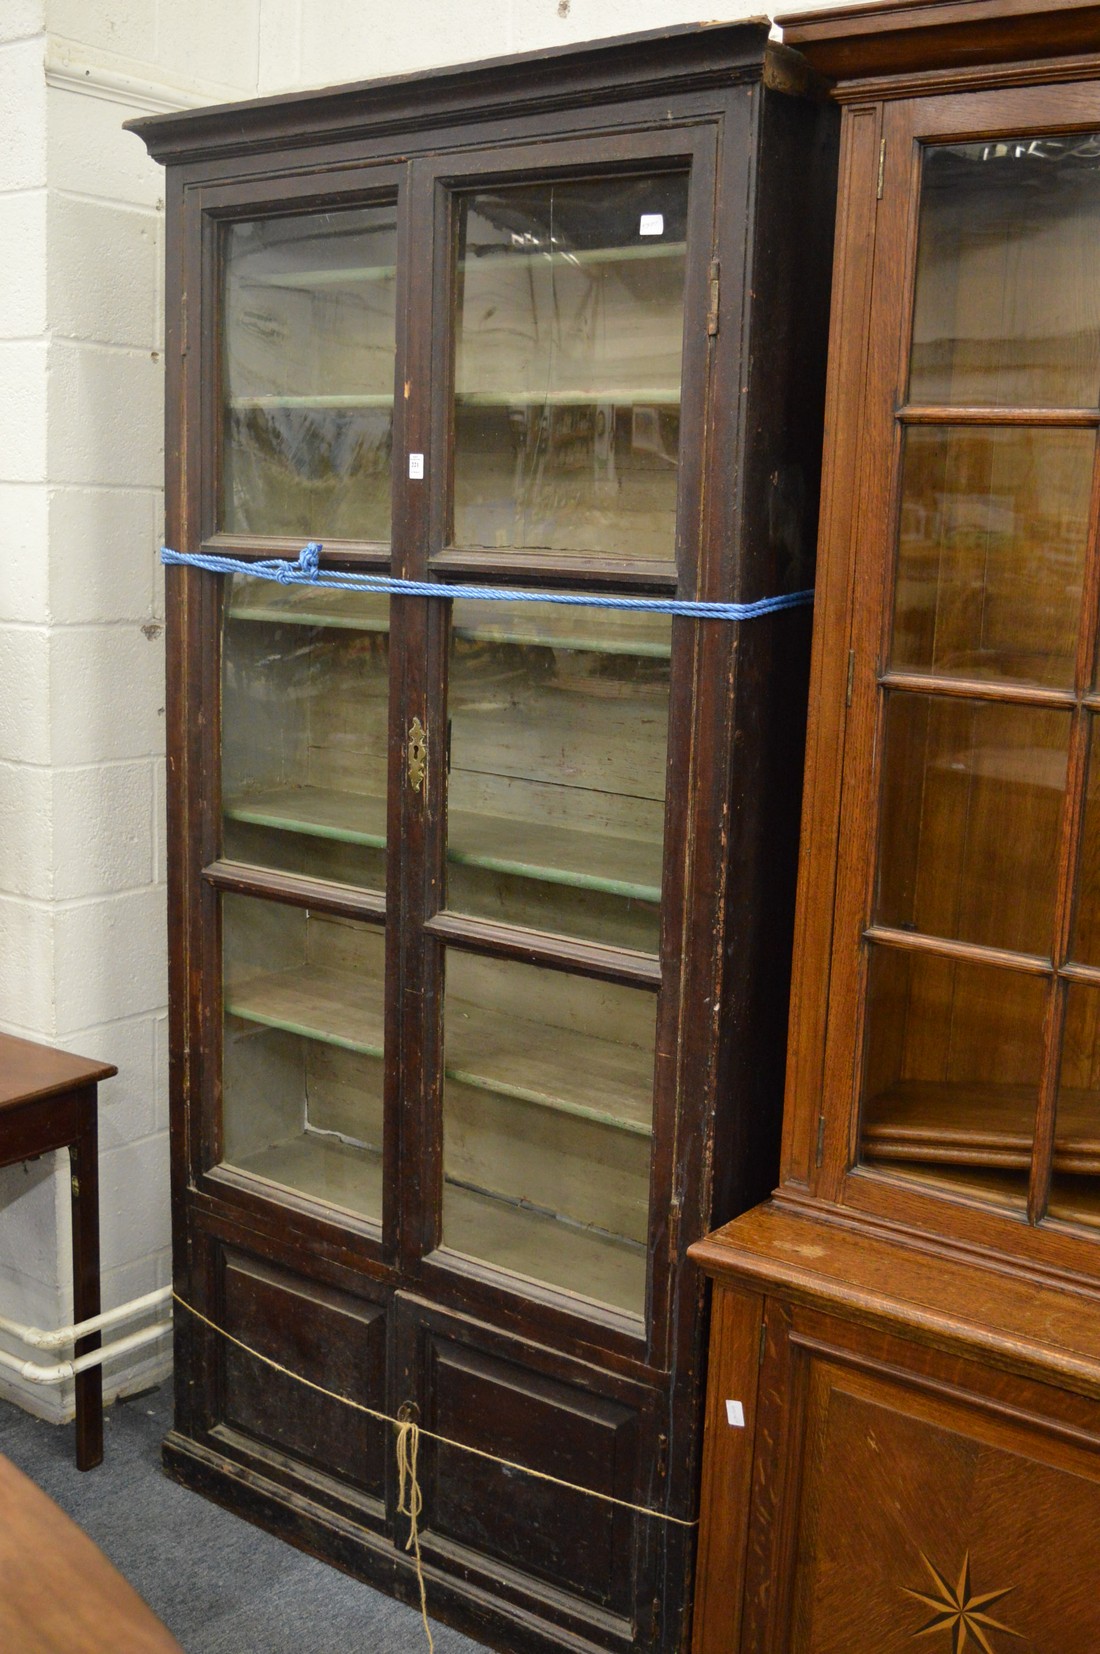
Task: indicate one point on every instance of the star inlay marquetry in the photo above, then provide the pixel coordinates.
(959, 1612)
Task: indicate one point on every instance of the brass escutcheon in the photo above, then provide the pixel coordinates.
(417, 754)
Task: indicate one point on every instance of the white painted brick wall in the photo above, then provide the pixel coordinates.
(82, 956)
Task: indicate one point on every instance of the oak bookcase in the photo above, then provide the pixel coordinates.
(912, 1324)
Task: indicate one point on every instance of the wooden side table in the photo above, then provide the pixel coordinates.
(48, 1101)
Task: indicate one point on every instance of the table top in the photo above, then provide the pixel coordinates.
(58, 1592)
(29, 1071)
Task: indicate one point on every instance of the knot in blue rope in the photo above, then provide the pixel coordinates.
(309, 558)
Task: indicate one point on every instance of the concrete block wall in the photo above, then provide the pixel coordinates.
(82, 934)
(82, 927)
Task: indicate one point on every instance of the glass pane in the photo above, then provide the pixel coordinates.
(1075, 1185)
(567, 373)
(1085, 948)
(302, 1064)
(559, 730)
(547, 1121)
(954, 772)
(307, 375)
(305, 677)
(951, 1073)
(1008, 285)
(991, 550)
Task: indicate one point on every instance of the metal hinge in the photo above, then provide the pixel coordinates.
(881, 168)
(763, 1343)
(712, 313)
(851, 675)
(820, 1155)
(416, 754)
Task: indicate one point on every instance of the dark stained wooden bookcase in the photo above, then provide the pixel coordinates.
(911, 1326)
(481, 911)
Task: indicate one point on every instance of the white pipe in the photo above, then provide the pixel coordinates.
(40, 1340)
(37, 1374)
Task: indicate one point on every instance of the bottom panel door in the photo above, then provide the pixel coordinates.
(576, 1560)
(328, 1337)
(945, 1507)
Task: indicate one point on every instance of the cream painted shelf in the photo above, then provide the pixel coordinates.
(586, 630)
(614, 865)
(355, 275)
(554, 1068)
(543, 1248)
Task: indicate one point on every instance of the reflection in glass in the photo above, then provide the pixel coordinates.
(302, 1061)
(1007, 306)
(547, 1121)
(955, 772)
(1075, 1185)
(304, 705)
(1085, 946)
(567, 366)
(559, 726)
(991, 552)
(307, 374)
(951, 1072)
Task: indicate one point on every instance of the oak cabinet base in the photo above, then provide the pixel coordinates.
(892, 1477)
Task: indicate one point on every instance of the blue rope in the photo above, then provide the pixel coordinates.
(306, 571)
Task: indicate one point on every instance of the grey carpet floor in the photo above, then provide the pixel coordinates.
(219, 1584)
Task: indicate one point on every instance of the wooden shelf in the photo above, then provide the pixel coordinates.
(642, 252)
(319, 812)
(618, 396)
(322, 1167)
(336, 399)
(582, 395)
(635, 634)
(967, 1125)
(543, 1249)
(352, 276)
(554, 1068)
(272, 615)
(615, 866)
(556, 855)
(318, 1003)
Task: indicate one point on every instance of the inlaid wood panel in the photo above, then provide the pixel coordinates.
(924, 1514)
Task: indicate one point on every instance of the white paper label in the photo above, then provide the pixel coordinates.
(416, 467)
(735, 1414)
(653, 223)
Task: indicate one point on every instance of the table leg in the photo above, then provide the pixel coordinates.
(84, 1157)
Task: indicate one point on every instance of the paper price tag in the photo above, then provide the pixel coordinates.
(653, 223)
(735, 1414)
(416, 467)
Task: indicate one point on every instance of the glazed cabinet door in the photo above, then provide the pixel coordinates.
(569, 305)
(440, 845)
(298, 338)
(969, 855)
